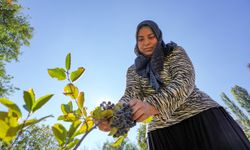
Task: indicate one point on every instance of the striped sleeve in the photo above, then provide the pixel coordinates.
(132, 87)
(175, 92)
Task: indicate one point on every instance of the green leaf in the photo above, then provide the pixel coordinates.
(87, 125)
(41, 101)
(58, 73)
(32, 94)
(84, 111)
(34, 121)
(68, 61)
(106, 114)
(70, 106)
(60, 133)
(12, 121)
(12, 132)
(97, 113)
(29, 122)
(4, 128)
(8, 127)
(11, 113)
(3, 116)
(148, 120)
(113, 131)
(72, 144)
(76, 74)
(80, 100)
(118, 142)
(70, 117)
(67, 108)
(73, 128)
(61, 117)
(71, 90)
(11, 106)
(28, 100)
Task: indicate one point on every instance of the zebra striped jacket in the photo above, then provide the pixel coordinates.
(178, 99)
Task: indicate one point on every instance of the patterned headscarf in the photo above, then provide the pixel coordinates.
(150, 67)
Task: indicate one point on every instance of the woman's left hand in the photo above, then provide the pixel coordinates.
(142, 110)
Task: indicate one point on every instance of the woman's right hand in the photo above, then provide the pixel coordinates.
(103, 125)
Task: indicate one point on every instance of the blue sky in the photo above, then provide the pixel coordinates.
(101, 37)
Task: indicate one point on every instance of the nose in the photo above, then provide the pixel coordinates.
(146, 42)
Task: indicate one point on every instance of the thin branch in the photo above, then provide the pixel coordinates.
(68, 78)
(20, 132)
(88, 131)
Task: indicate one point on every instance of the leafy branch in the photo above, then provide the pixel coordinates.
(81, 122)
(118, 116)
(11, 129)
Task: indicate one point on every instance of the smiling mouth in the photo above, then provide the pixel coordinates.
(148, 49)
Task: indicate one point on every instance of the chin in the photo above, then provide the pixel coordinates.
(148, 55)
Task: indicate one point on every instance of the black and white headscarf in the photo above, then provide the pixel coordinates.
(150, 67)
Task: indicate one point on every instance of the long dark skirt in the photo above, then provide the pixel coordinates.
(213, 129)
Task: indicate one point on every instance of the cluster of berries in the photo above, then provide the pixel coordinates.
(107, 105)
(122, 120)
(122, 117)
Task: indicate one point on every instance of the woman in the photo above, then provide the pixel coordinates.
(161, 83)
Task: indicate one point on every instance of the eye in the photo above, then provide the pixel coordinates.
(140, 39)
(151, 37)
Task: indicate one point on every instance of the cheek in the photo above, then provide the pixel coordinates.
(140, 50)
(155, 42)
(139, 46)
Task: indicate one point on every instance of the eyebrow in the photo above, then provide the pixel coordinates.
(147, 35)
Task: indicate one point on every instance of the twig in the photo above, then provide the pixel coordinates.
(78, 144)
(20, 132)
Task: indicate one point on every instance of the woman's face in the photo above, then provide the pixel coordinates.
(146, 41)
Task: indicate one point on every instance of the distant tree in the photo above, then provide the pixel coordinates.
(141, 141)
(126, 145)
(141, 137)
(5, 86)
(35, 137)
(15, 32)
(130, 146)
(242, 97)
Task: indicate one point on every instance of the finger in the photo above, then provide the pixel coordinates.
(104, 126)
(141, 118)
(133, 102)
(106, 129)
(136, 108)
(138, 114)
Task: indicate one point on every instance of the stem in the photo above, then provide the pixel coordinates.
(75, 99)
(20, 132)
(79, 108)
(67, 73)
(88, 131)
(83, 137)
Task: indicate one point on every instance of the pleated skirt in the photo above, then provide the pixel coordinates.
(213, 129)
